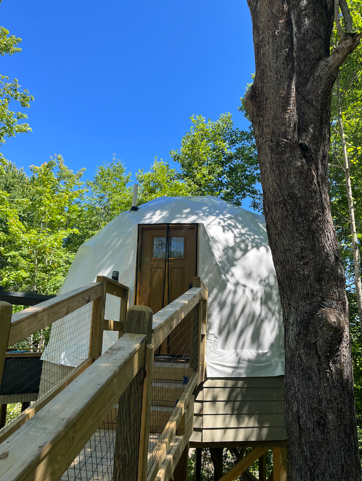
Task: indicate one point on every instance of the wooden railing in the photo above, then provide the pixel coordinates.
(17, 327)
(47, 439)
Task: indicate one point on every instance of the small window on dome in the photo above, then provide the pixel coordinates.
(176, 247)
(159, 247)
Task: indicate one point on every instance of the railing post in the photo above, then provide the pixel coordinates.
(123, 310)
(196, 333)
(138, 321)
(203, 318)
(6, 310)
(96, 332)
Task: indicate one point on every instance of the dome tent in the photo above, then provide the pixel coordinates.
(244, 327)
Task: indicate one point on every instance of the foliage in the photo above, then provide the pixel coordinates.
(350, 79)
(350, 82)
(109, 194)
(160, 180)
(218, 159)
(38, 215)
(10, 91)
(229, 460)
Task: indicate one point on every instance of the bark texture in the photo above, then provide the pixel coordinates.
(289, 105)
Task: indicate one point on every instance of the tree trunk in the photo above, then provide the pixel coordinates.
(289, 105)
(352, 221)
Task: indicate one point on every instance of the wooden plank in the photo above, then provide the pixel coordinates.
(6, 310)
(123, 310)
(32, 410)
(243, 407)
(114, 288)
(96, 330)
(243, 394)
(243, 435)
(243, 464)
(111, 325)
(173, 455)
(165, 321)
(167, 393)
(66, 423)
(280, 464)
(276, 382)
(28, 321)
(146, 413)
(171, 371)
(251, 420)
(165, 439)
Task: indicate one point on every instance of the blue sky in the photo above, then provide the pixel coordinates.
(124, 77)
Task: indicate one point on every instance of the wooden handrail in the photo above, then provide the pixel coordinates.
(165, 321)
(164, 442)
(28, 321)
(44, 447)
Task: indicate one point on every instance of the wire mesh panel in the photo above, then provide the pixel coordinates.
(174, 363)
(112, 451)
(38, 364)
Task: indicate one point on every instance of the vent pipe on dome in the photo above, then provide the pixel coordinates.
(134, 200)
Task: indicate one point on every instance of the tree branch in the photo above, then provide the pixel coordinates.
(340, 31)
(347, 16)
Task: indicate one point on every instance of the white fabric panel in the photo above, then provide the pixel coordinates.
(244, 331)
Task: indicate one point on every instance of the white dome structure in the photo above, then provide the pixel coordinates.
(244, 326)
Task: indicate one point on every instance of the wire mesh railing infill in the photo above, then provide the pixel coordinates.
(112, 451)
(35, 366)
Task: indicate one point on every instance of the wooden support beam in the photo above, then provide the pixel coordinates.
(280, 464)
(198, 464)
(243, 464)
(111, 325)
(262, 468)
(114, 288)
(248, 476)
(65, 424)
(32, 410)
(217, 461)
(123, 310)
(96, 330)
(28, 321)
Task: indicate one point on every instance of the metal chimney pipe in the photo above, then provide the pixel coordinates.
(134, 199)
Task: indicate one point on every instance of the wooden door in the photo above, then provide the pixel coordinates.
(167, 262)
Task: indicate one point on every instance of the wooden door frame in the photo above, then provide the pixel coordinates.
(141, 227)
